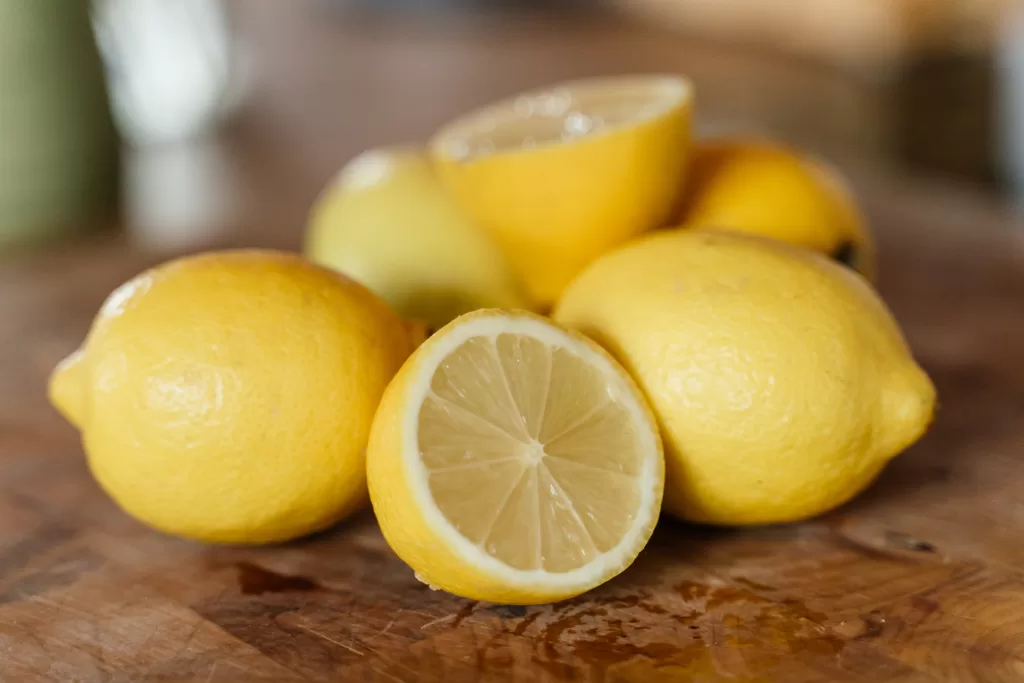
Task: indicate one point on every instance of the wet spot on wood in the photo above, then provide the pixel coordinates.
(924, 605)
(256, 580)
(752, 584)
(873, 625)
(906, 542)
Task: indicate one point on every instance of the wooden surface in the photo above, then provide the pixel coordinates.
(919, 579)
(860, 35)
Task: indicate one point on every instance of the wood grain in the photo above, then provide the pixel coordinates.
(859, 35)
(918, 579)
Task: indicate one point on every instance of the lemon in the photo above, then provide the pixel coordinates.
(515, 462)
(228, 397)
(763, 188)
(387, 222)
(780, 380)
(560, 175)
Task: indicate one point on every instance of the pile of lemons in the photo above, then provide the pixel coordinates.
(713, 344)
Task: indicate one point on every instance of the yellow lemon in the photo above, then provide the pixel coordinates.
(514, 461)
(387, 222)
(762, 188)
(780, 380)
(561, 175)
(228, 397)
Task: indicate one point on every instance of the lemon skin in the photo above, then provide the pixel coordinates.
(781, 383)
(387, 222)
(763, 188)
(556, 207)
(228, 397)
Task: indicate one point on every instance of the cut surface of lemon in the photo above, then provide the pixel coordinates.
(560, 175)
(514, 461)
(562, 113)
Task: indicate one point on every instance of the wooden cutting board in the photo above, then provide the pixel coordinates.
(919, 579)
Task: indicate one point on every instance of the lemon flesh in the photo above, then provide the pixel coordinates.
(562, 114)
(780, 380)
(514, 462)
(561, 175)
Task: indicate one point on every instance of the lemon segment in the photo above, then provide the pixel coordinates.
(514, 462)
(559, 176)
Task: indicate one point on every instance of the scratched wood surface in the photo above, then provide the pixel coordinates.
(919, 579)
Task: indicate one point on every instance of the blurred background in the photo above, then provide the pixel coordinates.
(170, 125)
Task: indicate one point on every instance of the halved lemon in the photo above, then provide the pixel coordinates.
(514, 461)
(560, 175)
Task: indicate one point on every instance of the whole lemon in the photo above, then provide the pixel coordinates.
(228, 397)
(780, 380)
(387, 222)
(763, 188)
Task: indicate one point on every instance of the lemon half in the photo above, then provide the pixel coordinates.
(560, 175)
(513, 461)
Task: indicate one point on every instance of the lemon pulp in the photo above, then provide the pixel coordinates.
(529, 456)
(562, 114)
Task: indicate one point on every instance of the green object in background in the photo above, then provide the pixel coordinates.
(59, 152)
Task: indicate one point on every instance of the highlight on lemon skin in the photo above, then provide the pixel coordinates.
(514, 461)
(228, 397)
(781, 382)
(761, 187)
(560, 175)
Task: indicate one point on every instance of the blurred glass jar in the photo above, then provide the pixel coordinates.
(1011, 68)
(59, 156)
(169, 63)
